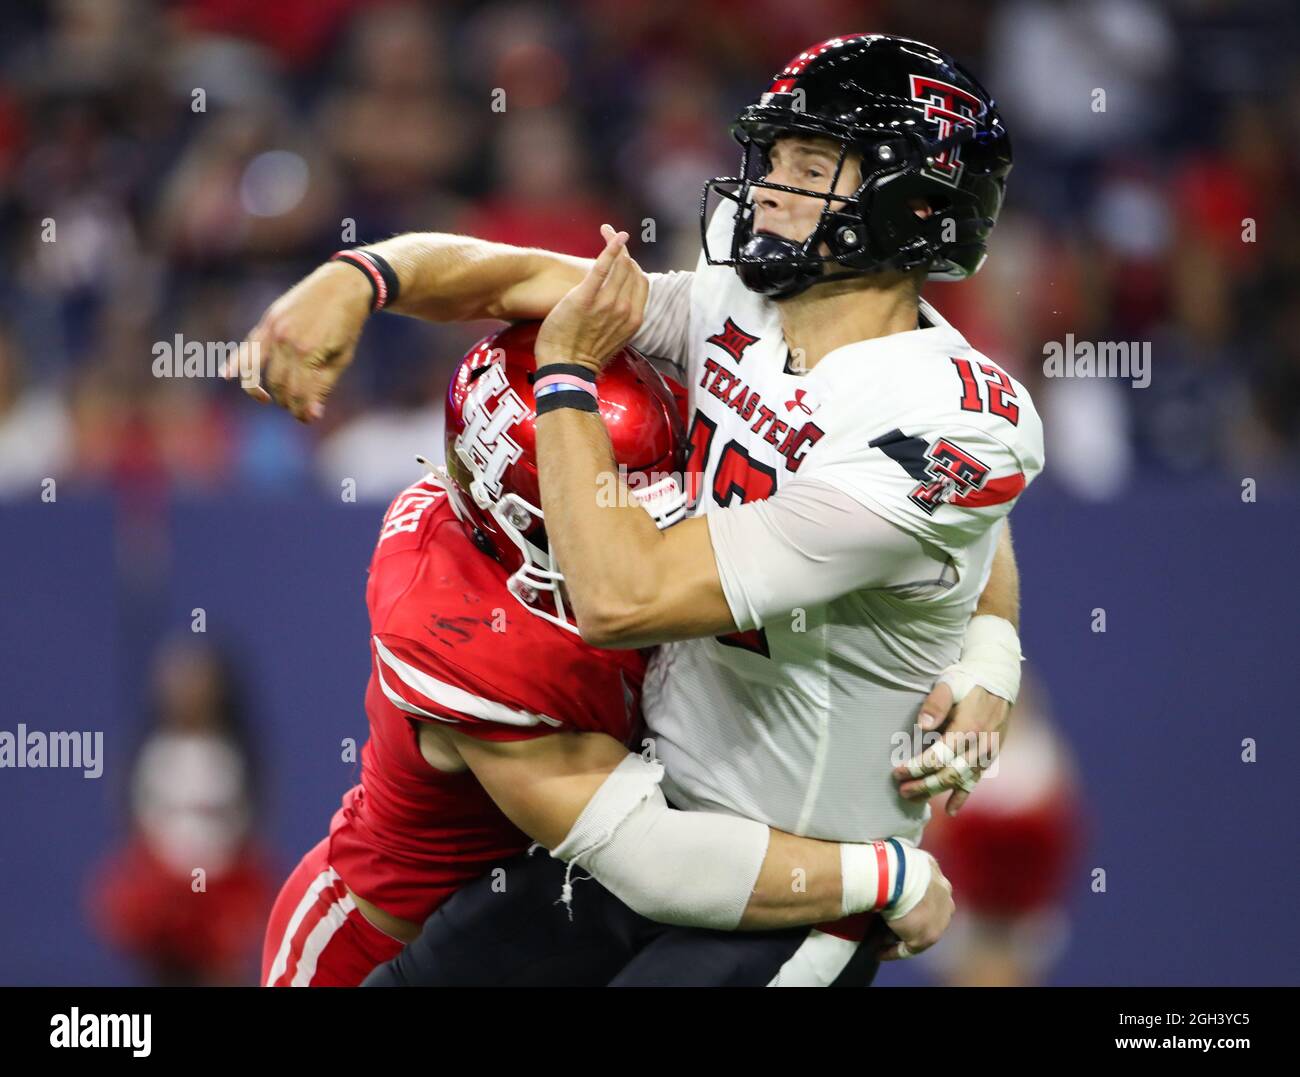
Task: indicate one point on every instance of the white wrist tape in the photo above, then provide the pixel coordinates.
(889, 877)
(990, 658)
(696, 869)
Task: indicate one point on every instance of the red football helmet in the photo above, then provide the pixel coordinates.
(492, 462)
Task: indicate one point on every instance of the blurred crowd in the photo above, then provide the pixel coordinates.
(170, 167)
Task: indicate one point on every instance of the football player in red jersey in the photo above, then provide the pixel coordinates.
(491, 726)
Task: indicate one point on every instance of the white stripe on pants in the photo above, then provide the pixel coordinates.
(817, 962)
(335, 917)
(324, 879)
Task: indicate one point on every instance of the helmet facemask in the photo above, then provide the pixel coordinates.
(872, 229)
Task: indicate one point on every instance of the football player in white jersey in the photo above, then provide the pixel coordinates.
(855, 457)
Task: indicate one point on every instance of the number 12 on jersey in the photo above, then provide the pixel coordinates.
(1001, 393)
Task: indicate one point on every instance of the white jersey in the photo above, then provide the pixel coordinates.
(793, 720)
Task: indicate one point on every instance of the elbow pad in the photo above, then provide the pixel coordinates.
(695, 869)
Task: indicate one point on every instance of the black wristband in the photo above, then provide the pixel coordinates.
(577, 400)
(576, 369)
(384, 286)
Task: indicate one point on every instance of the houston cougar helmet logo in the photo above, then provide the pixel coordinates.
(484, 444)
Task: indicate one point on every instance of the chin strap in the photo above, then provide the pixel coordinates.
(781, 280)
(757, 278)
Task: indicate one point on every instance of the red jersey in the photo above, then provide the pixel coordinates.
(450, 645)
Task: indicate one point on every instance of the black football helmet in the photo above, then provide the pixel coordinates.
(926, 129)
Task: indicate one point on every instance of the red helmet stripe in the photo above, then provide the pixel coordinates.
(786, 78)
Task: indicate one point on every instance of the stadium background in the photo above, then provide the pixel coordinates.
(179, 495)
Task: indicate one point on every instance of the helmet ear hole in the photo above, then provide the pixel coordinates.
(936, 204)
(484, 543)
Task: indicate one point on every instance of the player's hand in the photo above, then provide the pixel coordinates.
(598, 316)
(307, 338)
(973, 733)
(923, 926)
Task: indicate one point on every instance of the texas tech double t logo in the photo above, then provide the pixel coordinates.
(954, 472)
(946, 107)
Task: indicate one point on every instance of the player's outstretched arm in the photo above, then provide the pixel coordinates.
(450, 278)
(583, 796)
(307, 337)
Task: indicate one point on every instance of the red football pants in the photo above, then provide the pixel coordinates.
(316, 936)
